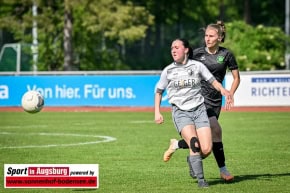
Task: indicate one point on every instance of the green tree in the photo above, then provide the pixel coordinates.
(19, 20)
(98, 30)
(256, 48)
(123, 34)
(185, 18)
(106, 27)
(67, 33)
(172, 19)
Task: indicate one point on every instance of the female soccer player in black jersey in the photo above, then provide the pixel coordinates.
(217, 59)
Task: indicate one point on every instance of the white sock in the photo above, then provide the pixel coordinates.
(175, 145)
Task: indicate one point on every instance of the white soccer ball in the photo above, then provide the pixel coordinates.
(32, 101)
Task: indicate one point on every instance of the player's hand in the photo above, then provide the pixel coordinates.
(229, 102)
(158, 118)
(229, 99)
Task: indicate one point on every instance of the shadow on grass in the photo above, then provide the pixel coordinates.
(248, 177)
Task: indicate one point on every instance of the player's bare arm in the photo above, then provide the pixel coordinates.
(158, 116)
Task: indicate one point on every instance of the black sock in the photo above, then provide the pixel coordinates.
(182, 144)
(219, 154)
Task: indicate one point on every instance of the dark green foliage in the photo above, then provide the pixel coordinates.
(256, 48)
(136, 34)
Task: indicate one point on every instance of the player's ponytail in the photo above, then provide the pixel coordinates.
(222, 29)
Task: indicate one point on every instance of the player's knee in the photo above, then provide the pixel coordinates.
(194, 145)
(206, 151)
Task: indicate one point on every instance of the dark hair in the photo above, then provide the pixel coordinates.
(186, 44)
(221, 29)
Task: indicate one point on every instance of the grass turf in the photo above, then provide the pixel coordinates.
(257, 147)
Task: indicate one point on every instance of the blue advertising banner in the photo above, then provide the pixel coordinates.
(78, 90)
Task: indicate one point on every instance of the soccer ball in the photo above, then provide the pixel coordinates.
(32, 101)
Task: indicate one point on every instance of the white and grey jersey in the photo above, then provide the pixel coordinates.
(182, 82)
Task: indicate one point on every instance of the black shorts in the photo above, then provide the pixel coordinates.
(213, 111)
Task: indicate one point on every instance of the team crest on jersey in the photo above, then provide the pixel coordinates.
(220, 59)
(189, 71)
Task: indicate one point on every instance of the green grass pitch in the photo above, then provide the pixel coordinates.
(257, 147)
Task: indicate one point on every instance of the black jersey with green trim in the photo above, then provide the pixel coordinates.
(217, 64)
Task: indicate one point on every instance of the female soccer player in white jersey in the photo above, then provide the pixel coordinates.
(217, 59)
(182, 80)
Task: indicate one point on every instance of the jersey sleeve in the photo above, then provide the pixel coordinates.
(162, 83)
(232, 62)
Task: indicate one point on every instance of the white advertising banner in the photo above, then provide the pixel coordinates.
(261, 89)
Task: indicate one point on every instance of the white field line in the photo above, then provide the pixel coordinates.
(102, 139)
